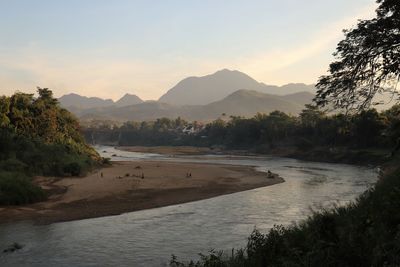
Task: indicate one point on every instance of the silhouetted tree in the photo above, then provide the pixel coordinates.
(367, 61)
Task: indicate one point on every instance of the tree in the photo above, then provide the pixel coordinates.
(46, 96)
(367, 62)
(311, 115)
(276, 126)
(4, 110)
(367, 128)
(20, 114)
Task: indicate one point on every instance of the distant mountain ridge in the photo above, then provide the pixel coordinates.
(214, 87)
(77, 102)
(128, 100)
(244, 103)
(198, 98)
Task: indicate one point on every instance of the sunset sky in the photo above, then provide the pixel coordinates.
(109, 48)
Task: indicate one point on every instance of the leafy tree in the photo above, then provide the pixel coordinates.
(276, 126)
(4, 110)
(311, 115)
(216, 131)
(367, 127)
(38, 137)
(392, 129)
(367, 61)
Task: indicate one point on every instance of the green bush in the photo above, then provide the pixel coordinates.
(13, 165)
(17, 188)
(73, 168)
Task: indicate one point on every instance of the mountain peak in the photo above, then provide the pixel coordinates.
(231, 73)
(206, 89)
(225, 71)
(128, 100)
(78, 101)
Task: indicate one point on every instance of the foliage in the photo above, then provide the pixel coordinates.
(367, 61)
(37, 137)
(264, 132)
(17, 188)
(153, 133)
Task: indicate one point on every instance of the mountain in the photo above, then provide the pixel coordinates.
(198, 98)
(247, 103)
(209, 88)
(149, 110)
(128, 100)
(300, 97)
(83, 102)
(291, 88)
(240, 103)
(75, 102)
(214, 87)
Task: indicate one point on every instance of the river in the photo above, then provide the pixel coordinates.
(149, 237)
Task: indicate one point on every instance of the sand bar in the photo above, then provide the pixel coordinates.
(170, 150)
(131, 186)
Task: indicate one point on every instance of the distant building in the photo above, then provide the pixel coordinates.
(192, 128)
(189, 129)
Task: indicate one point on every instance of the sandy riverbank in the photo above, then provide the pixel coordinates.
(121, 188)
(318, 154)
(170, 150)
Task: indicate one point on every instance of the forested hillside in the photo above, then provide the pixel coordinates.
(37, 137)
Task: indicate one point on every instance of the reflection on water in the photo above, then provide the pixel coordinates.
(149, 237)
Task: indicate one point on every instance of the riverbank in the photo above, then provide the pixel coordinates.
(362, 233)
(131, 186)
(171, 150)
(320, 154)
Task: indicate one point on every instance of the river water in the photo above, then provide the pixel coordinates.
(149, 237)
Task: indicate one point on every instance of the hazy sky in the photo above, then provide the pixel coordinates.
(107, 48)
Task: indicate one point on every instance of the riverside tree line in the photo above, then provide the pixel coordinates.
(264, 133)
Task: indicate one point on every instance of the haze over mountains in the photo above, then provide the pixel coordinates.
(78, 101)
(128, 100)
(214, 87)
(240, 103)
(232, 93)
(83, 102)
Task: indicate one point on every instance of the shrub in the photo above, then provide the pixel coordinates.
(73, 169)
(16, 189)
(13, 165)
